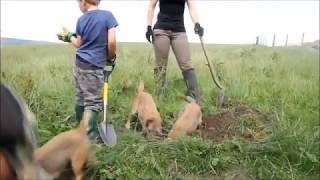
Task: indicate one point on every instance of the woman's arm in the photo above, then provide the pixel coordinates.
(192, 11)
(195, 18)
(112, 43)
(151, 8)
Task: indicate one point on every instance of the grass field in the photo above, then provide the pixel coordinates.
(280, 82)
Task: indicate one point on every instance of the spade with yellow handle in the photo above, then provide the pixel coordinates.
(105, 128)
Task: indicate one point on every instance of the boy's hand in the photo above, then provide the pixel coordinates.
(66, 35)
(111, 61)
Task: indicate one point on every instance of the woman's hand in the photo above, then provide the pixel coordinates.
(149, 34)
(198, 29)
(151, 8)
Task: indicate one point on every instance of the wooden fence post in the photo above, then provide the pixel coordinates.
(274, 40)
(257, 40)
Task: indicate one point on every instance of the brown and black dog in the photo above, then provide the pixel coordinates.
(17, 139)
(189, 119)
(70, 147)
(19, 158)
(144, 105)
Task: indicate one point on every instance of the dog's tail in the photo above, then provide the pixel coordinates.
(187, 98)
(140, 86)
(84, 122)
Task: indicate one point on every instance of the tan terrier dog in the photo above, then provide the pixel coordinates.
(189, 119)
(70, 147)
(144, 105)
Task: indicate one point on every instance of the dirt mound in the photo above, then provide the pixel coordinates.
(239, 122)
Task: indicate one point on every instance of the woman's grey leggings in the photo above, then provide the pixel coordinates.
(162, 39)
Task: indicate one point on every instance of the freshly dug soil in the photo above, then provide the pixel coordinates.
(226, 124)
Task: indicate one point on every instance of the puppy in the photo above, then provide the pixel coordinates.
(70, 147)
(126, 84)
(189, 119)
(144, 105)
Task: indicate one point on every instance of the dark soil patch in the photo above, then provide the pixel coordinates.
(240, 121)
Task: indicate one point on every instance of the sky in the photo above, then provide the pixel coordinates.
(224, 22)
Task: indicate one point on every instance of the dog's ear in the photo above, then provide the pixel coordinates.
(140, 87)
(12, 130)
(148, 122)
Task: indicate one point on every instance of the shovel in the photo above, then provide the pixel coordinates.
(215, 79)
(105, 128)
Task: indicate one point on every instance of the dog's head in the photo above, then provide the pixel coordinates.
(175, 133)
(153, 127)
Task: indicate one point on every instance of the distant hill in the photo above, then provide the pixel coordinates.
(14, 41)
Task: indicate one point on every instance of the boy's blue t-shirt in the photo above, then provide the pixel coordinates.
(93, 26)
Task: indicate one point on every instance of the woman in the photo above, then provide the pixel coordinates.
(169, 30)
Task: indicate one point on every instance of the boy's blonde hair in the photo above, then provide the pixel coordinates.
(92, 2)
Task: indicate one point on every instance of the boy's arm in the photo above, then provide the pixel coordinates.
(112, 43)
(70, 37)
(76, 41)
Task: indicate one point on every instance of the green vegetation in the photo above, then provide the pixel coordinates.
(280, 82)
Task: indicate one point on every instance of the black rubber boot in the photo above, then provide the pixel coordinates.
(160, 80)
(192, 84)
(79, 112)
(92, 125)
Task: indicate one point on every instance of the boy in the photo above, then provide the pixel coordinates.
(96, 42)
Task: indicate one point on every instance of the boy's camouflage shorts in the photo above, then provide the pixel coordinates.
(88, 88)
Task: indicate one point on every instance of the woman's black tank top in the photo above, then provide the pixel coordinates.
(170, 16)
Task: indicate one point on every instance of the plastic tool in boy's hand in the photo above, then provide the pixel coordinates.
(66, 35)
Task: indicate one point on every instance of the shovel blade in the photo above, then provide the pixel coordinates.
(107, 133)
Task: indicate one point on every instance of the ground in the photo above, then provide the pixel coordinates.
(267, 129)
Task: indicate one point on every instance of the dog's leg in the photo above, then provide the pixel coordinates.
(132, 113)
(78, 161)
(200, 119)
(128, 124)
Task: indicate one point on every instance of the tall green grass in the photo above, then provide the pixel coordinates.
(282, 82)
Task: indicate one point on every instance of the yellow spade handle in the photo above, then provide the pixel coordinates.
(105, 91)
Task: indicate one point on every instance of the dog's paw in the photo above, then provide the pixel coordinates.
(127, 125)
